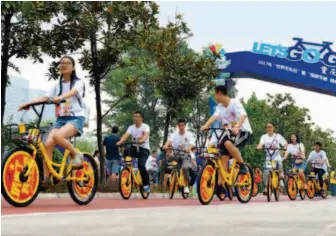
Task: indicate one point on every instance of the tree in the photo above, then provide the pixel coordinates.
(23, 36)
(183, 72)
(146, 99)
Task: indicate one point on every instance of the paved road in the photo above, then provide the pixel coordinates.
(54, 217)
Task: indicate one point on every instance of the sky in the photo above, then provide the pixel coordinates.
(237, 25)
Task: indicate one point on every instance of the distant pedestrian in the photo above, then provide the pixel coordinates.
(112, 154)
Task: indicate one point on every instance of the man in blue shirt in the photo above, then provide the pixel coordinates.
(112, 154)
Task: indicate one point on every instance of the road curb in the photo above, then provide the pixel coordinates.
(106, 195)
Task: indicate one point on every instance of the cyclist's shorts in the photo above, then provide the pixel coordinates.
(300, 166)
(238, 140)
(76, 121)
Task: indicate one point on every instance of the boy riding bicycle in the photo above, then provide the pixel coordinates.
(318, 158)
(183, 139)
(232, 114)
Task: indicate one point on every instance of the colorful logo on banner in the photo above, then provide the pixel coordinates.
(217, 53)
(302, 51)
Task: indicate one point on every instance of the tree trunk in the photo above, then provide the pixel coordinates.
(4, 63)
(96, 77)
(166, 128)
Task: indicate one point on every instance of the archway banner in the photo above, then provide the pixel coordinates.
(306, 65)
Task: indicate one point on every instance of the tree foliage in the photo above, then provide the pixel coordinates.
(288, 118)
(30, 29)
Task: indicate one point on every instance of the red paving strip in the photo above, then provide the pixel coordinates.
(66, 204)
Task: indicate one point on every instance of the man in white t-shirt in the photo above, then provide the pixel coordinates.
(233, 116)
(319, 158)
(268, 141)
(183, 140)
(140, 134)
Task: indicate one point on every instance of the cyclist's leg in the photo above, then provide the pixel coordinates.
(225, 163)
(142, 159)
(281, 172)
(301, 168)
(49, 146)
(185, 166)
(61, 138)
(320, 174)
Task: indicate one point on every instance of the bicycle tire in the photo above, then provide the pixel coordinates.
(173, 183)
(255, 189)
(229, 191)
(88, 160)
(184, 195)
(207, 169)
(276, 191)
(144, 194)
(5, 164)
(325, 188)
(302, 191)
(311, 189)
(269, 186)
(126, 173)
(239, 194)
(220, 190)
(292, 189)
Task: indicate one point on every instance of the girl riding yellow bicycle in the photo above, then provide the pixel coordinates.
(70, 115)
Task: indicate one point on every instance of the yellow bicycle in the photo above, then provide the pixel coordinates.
(273, 178)
(22, 170)
(294, 183)
(177, 180)
(129, 178)
(243, 184)
(313, 185)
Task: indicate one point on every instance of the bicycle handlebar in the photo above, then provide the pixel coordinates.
(44, 103)
(278, 149)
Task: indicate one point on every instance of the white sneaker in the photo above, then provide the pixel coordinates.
(186, 190)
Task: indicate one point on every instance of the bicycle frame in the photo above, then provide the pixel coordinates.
(34, 134)
(229, 177)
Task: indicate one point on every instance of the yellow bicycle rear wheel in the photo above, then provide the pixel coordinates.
(244, 187)
(83, 192)
(325, 189)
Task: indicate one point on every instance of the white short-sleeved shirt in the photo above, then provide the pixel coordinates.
(274, 141)
(230, 115)
(295, 149)
(182, 141)
(72, 106)
(137, 133)
(319, 159)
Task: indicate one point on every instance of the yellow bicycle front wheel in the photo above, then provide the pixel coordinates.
(291, 188)
(206, 183)
(16, 188)
(125, 183)
(310, 188)
(173, 183)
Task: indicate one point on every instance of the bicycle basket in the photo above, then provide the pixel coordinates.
(20, 133)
